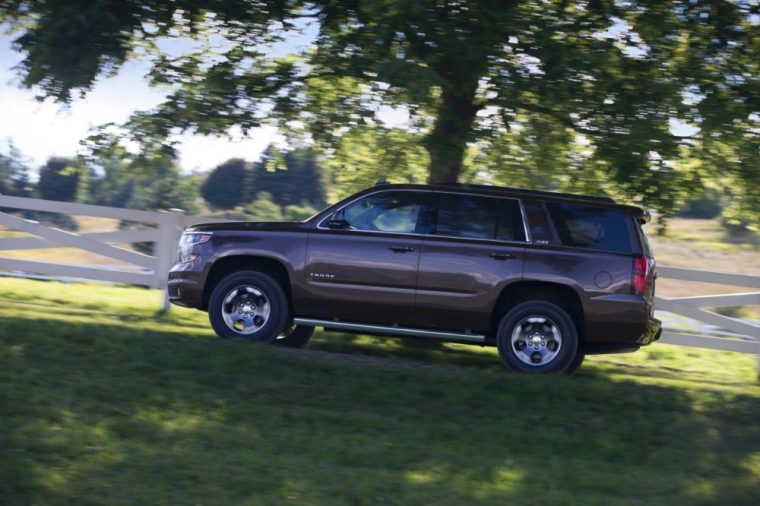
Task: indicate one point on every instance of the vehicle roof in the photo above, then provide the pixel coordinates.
(480, 188)
(505, 191)
(499, 191)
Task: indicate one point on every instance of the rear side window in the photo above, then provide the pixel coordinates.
(476, 217)
(591, 227)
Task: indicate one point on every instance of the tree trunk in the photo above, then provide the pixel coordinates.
(447, 142)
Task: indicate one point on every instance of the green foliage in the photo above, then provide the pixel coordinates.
(292, 178)
(103, 400)
(148, 178)
(263, 208)
(226, 186)
(14, 173)
(297, 213)
(470, 74)
(707, 206)
(59, 179)
(365, 155)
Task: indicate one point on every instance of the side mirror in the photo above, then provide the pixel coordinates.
(337, 222)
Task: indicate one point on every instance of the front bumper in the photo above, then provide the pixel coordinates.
(185, 284)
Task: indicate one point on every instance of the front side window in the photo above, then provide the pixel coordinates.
(390, 211)
(477, 217)
(589, 227)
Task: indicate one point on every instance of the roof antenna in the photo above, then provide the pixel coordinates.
(380, 181)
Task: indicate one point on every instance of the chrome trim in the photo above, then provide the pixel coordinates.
(473, 239)
(398, 331)
(528, 239)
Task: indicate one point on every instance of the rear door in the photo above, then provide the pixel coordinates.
(474, 247)
(367, 271)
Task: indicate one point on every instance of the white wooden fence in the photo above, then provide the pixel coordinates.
(166, 227)
(692, 307)
(163, 229)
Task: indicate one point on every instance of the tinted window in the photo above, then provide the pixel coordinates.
(591, 227)
(477, 217)
(385, 212)
(645, 243)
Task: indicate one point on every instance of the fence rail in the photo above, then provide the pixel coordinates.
(146, 270)
(748, 334)
(166, 227)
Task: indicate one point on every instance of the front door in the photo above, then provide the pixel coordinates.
(365, 270)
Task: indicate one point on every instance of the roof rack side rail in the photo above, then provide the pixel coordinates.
(545, 193)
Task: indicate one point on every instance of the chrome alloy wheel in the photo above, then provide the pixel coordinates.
(246, 310)
(536, 340)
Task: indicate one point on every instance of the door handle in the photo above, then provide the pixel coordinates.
(501, 256)
(401, 249)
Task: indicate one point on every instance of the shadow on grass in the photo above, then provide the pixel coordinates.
(106, 411)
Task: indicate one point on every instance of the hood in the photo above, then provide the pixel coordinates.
(238, 226)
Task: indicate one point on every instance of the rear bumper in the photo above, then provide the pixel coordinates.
(619, 323)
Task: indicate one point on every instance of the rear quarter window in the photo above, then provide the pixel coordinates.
(645, 242)
(595, 228)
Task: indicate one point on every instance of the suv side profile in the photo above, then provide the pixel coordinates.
(545, 277)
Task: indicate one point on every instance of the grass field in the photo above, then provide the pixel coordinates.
(105, 401)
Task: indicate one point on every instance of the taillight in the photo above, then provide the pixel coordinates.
(639, 281)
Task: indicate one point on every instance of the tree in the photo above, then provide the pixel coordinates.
(619, 75)
(263, 208)
(59, 180)
(227, 185)
(291, 178)
(14, 174)
(148, 178)
(365, 155)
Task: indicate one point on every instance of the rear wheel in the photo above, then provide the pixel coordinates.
(538, 337)
(248, 305)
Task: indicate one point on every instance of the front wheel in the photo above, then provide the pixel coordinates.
(248, 305)
(538, 337)
(295, 337)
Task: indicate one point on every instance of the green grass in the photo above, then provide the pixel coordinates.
(105, 401)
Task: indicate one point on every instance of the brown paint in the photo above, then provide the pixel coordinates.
(431, 282)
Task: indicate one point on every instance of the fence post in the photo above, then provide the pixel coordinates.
(169, 231)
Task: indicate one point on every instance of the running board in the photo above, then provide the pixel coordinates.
(390, 330)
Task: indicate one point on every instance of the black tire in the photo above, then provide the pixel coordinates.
(545, 338)
(246, 296)
(296, 337)
(575, 364)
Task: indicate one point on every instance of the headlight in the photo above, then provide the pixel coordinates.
(186, 244)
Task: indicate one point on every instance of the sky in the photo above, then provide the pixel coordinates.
(44, 129)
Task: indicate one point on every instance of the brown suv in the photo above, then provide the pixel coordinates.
(546, 277)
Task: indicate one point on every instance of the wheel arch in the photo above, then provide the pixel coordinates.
(226, 265)
(560, 294)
